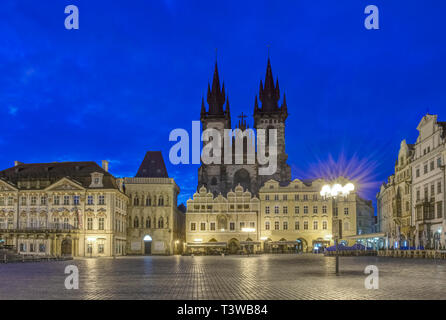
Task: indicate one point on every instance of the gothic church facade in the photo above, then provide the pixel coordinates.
(222, 178)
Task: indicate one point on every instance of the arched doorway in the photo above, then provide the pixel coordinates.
(233, 246)
(302, 245)
(147, 244)
(66, 247)
(242, 177)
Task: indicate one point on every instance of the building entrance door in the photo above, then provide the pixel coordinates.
(147, 245)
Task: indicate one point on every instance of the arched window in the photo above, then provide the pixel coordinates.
(148, 223)
(136, 222)
(136, 201)
(148, 201)
(161, 201)
(160, 223)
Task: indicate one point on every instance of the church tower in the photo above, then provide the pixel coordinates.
(271, 116)
(213, 176)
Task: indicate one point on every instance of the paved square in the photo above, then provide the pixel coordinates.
(231, 277)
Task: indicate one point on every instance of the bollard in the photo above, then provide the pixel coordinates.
(223, 255)
(4, 258)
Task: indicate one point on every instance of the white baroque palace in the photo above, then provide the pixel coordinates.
(68, 208)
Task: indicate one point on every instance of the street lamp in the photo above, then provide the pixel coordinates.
(332, 192)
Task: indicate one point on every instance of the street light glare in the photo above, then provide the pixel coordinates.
(336, 189)
(248, 230)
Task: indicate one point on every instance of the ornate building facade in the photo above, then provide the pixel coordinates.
(67, 208)
(411, 205)
(156, 224)
(221, 223)
(297, 216)
(222, 178)
(394, 201)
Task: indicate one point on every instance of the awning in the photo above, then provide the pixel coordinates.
(368, 236)
(294, 243)
(247, 243)
(206, 244)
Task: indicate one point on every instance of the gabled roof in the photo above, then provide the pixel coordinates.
(152, 166)
(53, 172)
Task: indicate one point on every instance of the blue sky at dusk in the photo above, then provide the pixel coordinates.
(135, 70)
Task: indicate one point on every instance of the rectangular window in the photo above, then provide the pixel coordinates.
(285, 225)
(100, 248)
(440, 209)
(193, 226)
(296, 197)
(101, 200)
(203, 226)
(252, 224)
(285, 210)
(305, 225)
(314, 209)
(212, 226)
(276, 225)
(10, 201)
(101, 224)
(43, 201)
(305, 197)
(346, 211)
(267, 209)
(296, 209)
(42, 247)
(267, 225)
(439, 187)
(417, 172)
(315, 225)
(242, 225)
(336, 212)
(305, 209)
(232, 226)
(267, 197)
(285, 197)
(296, 225)
(89, 223)
(2, 201)
(425, 169)
(438, 162)
(432, 165)
(324, 209)
(33, 200)
(276, 197)
(276, 209)
(23, 201)
(66, 223)
(56, 200)
(324, 225)
(90, 200)
(76, 200)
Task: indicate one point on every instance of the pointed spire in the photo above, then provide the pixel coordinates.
(269, 94)
(284, 105)
(203, 108)
(228, 112)
(216, 97)
(256, 105)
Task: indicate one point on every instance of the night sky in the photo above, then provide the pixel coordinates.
(137, 69)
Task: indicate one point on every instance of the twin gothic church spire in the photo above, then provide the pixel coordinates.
(269, 96)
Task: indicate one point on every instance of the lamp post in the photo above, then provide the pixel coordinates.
(332, 192)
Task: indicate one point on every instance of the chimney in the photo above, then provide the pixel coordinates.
(16, 163)
(105, 165)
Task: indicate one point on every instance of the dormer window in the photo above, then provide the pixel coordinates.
(96, 180)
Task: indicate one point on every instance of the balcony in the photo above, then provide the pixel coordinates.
(50, 227)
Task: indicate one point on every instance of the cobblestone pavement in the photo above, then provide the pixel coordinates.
(231, 277)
